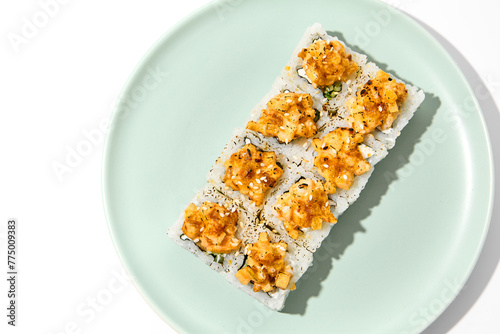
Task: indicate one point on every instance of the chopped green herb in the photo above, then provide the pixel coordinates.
(337, 86)
(333, 90)
(219, 258)
(316, 115)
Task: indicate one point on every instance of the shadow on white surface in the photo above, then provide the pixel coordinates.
(490, 254)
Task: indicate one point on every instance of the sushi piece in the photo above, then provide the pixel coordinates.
(271, 268)
(339, 158)
(288, 116)
(251, 172)
(283, 210)
(292, 138)
(287, 113)
(249, 169)
(304, 206)
(382, 105)
(326, 68)
(223, 218)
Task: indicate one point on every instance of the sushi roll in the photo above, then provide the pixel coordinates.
(304, 156)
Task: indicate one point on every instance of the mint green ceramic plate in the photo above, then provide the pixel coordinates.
(396, 258)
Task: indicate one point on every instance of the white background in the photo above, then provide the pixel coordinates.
(61, 83)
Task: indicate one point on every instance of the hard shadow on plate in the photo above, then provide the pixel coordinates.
(350, 223)
(381, 65)
(490, 255)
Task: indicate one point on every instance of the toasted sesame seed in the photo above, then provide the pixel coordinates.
(196, 240)
(247, 141)
(300, 98)
(344, 177)
(379, 108)
(310, 197)
(258, 172)
(282, 127)
(287, 114)
(239, 182)
(221, 214)
(288, 101)
(262, 164)
(326, 166)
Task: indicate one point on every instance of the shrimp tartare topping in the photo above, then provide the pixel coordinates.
(325, 63)
(252, 172)
(212, 227)
(288, 116)
(304, 205)
(266, 266)
(377, 104)
(339, 158)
